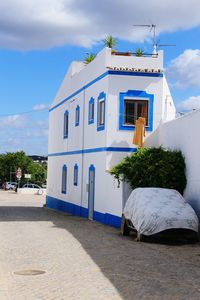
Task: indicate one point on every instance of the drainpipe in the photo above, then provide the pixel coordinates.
(166, 104)
(82, 148)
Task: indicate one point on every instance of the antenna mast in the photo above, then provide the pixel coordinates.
(152, 28)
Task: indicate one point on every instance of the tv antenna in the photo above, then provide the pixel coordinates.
(152, 27)
(155, 44)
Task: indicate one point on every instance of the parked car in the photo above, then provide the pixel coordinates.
(33, 188)
(10, 185)
(159, 212)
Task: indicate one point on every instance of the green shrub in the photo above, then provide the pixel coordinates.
(152, 167)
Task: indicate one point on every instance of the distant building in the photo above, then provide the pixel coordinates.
(91, 125)
(39, 159)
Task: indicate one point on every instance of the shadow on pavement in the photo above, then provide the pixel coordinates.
(137, 270)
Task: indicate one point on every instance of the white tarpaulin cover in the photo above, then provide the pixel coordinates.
(152, 210)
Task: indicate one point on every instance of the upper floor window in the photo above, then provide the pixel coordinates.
(101, 106)
(64, 179)
(135, 104)
(91, 111)
(66, 124)
(133, 109)
(75, 174)
(77, 115)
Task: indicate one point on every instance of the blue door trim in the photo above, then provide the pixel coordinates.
(91, 169)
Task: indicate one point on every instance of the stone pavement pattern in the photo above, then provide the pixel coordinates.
(86, 260)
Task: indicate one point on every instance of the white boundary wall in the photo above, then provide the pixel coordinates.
(183, 134)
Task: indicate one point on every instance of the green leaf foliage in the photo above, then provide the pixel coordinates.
(110, 41)
(139, 52)
(89, 58)
(10, 161)
(152, 167)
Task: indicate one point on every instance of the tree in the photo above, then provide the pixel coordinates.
(89, 58)
(10, 161)
(38, 173)
(110, 41)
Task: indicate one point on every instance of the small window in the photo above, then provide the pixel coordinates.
(64, 179)
(75, 174)
(133, 109)
(66, 124)
(101, 112)
(91, 111)
(77, 115)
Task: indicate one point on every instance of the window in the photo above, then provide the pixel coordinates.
(75, 174)
(66, 124)
(91, 111)
(133, 109)
(64, 179)
(132, 105)
(77, 115)
(101, 112)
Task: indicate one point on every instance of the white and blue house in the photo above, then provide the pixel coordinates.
(91, 125)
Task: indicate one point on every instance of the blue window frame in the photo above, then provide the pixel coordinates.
(66, 124)
(134, 104)
(64, 180)
(77, 115)
(91, 111)
(76, 174)
(101, 109)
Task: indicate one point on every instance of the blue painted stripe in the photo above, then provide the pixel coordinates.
(68, 207)
(93, 150)
(96, 79)
(107, 219)
(76, 210)
(66, 99)
(80, 90)
(110, 72)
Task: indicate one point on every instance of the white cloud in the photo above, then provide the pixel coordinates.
(185, 69)
(24, 132)
(15, 121)
(189, 104)
(41, 106)
(37, 24)
(37, 133)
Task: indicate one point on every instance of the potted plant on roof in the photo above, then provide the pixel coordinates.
(90, 57)
(139, 52)
(110, 42)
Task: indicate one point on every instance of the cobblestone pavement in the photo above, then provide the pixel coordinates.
(86, 260)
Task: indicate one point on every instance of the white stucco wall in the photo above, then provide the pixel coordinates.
(108, 197)
(149, 62)
(183, 134)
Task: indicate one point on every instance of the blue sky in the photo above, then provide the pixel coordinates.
(39, 39)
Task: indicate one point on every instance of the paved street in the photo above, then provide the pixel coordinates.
(86, 260)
